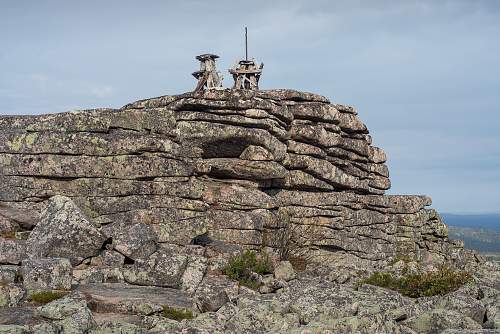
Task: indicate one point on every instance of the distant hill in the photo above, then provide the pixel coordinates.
(480, 232)
(483, 221)
(483, 240)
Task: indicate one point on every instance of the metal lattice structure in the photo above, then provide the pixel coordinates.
(207, 76)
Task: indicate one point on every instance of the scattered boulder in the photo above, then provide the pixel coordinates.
(8, 274)
(136, 241)
(214, 292)
(12, 251)
(64, 231)
(149, 203)
(108, 258)
(130, 299)
(162, 268)
(46, 274)
(194, 273)
(284, 271)
(437, 320)
(70, 313)
(10, 295)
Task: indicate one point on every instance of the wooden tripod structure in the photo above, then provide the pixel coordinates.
(207, 76)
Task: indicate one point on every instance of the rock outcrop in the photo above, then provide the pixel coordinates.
(228, 163)
(134, 212)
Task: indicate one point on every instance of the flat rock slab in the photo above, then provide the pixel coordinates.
(130, 299)
(17, 316)
(103, 318)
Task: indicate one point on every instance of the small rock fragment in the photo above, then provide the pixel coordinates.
(284, 271)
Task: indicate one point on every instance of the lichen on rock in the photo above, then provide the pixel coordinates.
(150, 202)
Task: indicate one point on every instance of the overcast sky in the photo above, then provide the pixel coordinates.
(424, 75)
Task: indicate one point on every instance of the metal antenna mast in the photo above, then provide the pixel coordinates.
(246, 43)
(246, 73)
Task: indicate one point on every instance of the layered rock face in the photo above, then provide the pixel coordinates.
(238, 166)
(130, 218)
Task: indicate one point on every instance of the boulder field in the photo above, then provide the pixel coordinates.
(133, 214)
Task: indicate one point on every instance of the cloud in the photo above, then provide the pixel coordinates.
(424, 75)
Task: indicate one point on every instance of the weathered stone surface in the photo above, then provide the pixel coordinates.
(163, 191)
(64, 231)
(12, 251)
(110, 327)
(70, 313)
(163, 268)
(13, 329)
(194, 273)
(12, 217)
(175, 161)
(136, 240)
(284, 271)
(10, 294)
(437, 320)
(129, 299)
(214, 292)
(47, 274)
(8, 274)
(108, 258)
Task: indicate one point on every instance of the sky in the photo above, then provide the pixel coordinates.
(424, 75)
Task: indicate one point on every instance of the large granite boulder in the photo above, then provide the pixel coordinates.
(64, 231)
(70, 314)
(163, 268)
(47, 274)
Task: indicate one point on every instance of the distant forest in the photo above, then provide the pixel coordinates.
(479, 232)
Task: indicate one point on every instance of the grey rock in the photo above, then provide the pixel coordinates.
(271, 284)
(122, 192)
(256, 153)
(46, 328)
(214, 292)
(8, 274)
(10, 295)
(163, 268)
(284, 271)
(437, 320)
(64, 231)
(70, 313)
(47, 274)
(11, 218)
(12, 251)
(136, 240)
(194, 273)
(13, 329)
(108, 258)
(19, 315)
(110, 327)
(130, 299)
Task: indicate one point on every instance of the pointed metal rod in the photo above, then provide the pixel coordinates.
(246, 43)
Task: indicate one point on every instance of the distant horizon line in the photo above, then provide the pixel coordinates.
(470, 213)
